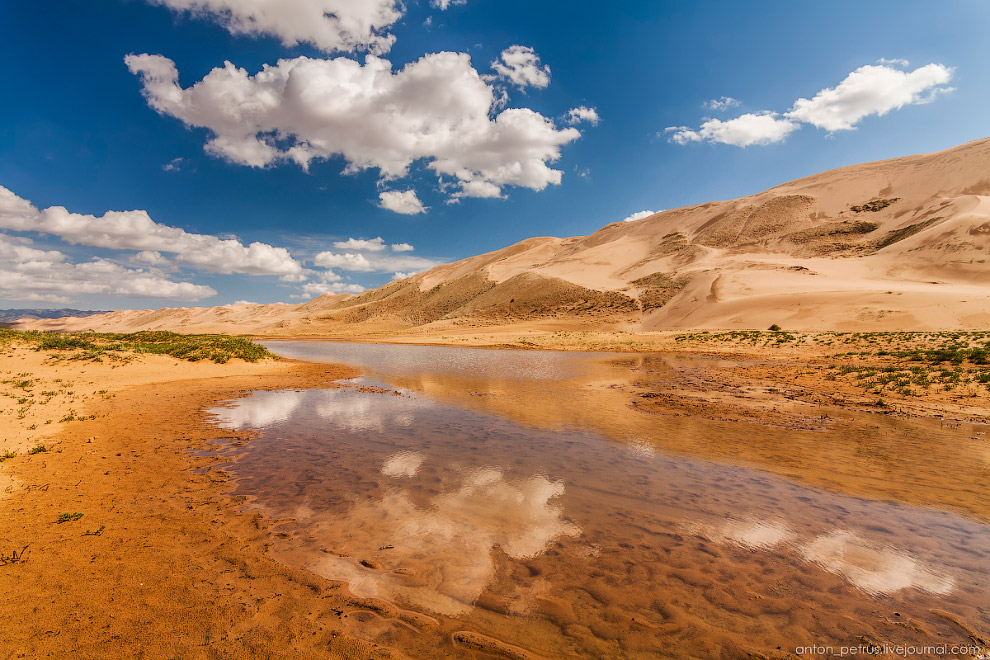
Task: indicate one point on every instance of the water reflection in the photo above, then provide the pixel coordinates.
(463, 361)
(260, 410)
(403, 464)
(877, 570)
(872, 568)
(263, 410)
(439, 557)
(567, 544)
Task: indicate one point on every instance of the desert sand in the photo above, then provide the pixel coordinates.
(159, 564)
(899, 244)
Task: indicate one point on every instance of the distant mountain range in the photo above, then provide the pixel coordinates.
(12, 315)
(901, 244)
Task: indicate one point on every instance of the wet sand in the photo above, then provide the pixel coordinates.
(160, 564)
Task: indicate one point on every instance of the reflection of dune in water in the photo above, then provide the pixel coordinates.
(440, 557)
(872, 569)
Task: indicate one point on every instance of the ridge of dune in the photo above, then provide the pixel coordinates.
(899, 244)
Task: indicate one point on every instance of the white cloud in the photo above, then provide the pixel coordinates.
(173, 165)
(356, 262)
(521, 66)
(49, 276)
(327, 281)
(401, 201)
(720, 104)
(870, 90)
(151, 258)
(437, 108)
(582, 113)
(744, 130)
(402, 247)
(344, 260)
(135, 230)
(330, 25)
(639, 215)
(896, 61)
(444, 5)
(315, 289)
(371, 245)
(401, 276)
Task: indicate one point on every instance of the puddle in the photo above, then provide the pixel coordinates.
(531, 540)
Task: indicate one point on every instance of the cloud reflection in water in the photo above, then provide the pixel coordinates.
(440, 557)
(874, 569)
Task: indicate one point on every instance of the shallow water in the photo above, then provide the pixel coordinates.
(553, 540)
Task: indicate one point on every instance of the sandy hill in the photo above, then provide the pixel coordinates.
(895, 244)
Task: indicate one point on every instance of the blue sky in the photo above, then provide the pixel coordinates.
(83, 130)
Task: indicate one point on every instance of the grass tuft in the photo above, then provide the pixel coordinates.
(68, 517)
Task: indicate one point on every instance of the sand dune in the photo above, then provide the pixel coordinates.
(896, 244)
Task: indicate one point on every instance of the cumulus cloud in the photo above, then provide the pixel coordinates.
(319, 288)
(743, 131)
(151, 258)
(372, 263)
(327, 281)
(344, 260)
(521, 66)
(870, 90)
(895, 61)
(401, 276)
(720, 104)
(402, 247)
(370, 244)
(582, 113)
(173, 165)
(874, 89)
(401, 201)
(639, 215)
(31, 274)
(444, 5)
(135, 230)
(437, 109)
(330, 25)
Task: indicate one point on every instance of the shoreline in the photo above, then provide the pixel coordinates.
(780, 364)
(161, 563)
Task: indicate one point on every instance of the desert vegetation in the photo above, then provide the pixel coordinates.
(874, 206)
(123, 346)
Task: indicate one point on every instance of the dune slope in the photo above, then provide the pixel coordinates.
(896, 244)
